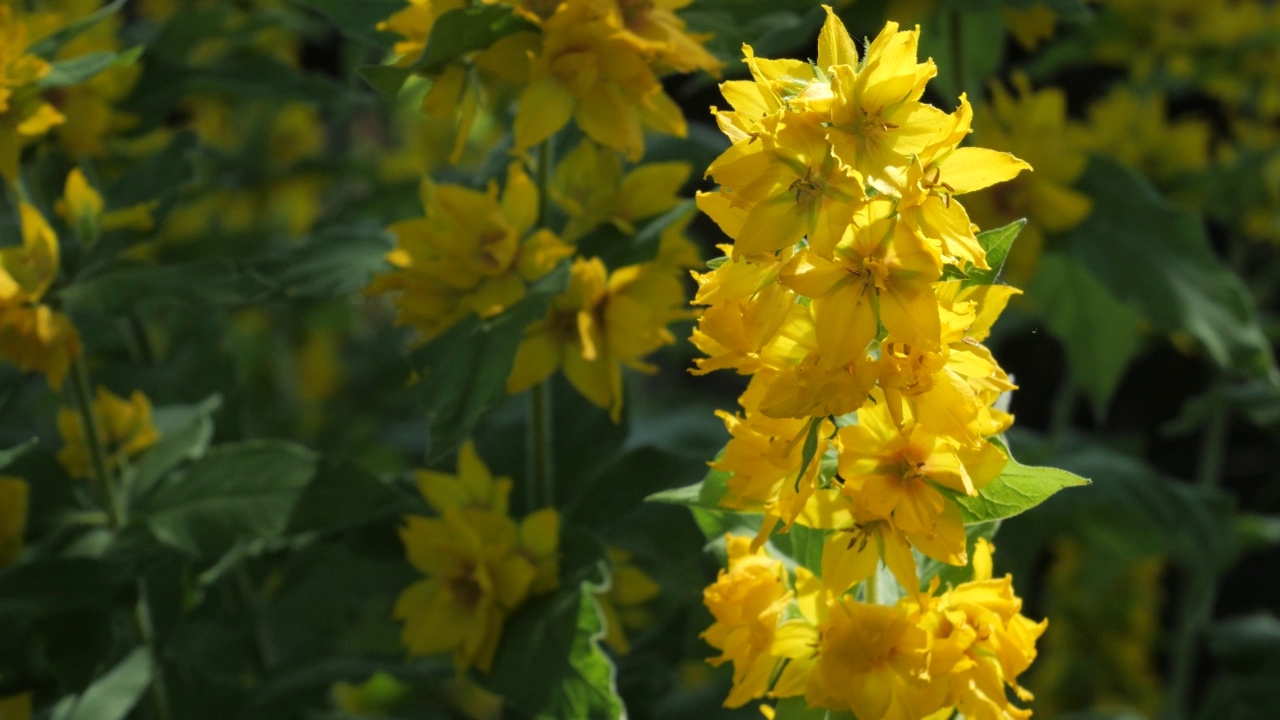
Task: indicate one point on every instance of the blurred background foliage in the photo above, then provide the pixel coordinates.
(260, 139)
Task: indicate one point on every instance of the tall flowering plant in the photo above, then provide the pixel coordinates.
(856, 295)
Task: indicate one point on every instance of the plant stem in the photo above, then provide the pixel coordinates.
(871, 587)
(146, 633)
(1196, 609)
(541, 463)
(117, 514)
(541, 474)
(93, 440)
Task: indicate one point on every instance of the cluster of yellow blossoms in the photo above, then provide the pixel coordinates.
(474, 253)
(928, 653)
(849, 297)
(479, 564)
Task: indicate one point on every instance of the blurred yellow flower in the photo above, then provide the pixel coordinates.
(124, 429)
(472, 253)
(592, 189)
(747, 601)
(623, 605)
(33, 336)
(24, 114)
(13, 519)
(602, 322)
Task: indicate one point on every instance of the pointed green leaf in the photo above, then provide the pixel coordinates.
(15, 452)
(464, 30)
(1018, 488)
(49, 46)
(185, 432)
(1099, 332)
(996, 243)
(84, 67)
(1181, 285)
(239, 492)
(112, 696)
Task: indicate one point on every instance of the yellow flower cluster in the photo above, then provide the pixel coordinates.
(124, 430)
(595, 63)
(24, 113)
(33, 335)
(927, 653)
(840, 191)
(479, 564)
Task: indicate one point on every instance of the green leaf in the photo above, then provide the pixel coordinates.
(236, 493)
(337, 262)
(54, 585)
(1246, 653)
(464, 370)
(84, 67)
(465, 30)
(158, 177)
(8, 456)
(1018, 488)
(386, 79)
(342, 495)
(357, 18)
(1099, 332)
(809, 450)
(49, 46)
(551, 664)
(127, 286)
(643, 246)
(185, 432)
(802, 545)
(997, 243)
(1181, 285)
(112, 696)
(704, 494)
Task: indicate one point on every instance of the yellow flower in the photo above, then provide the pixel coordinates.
(1136, 130)
(473, 488)
(587, 70)
(414, 23)
(893, 474)
(591, 188)
(1032, 125)
(623, 604)
(89, 107)
(600, 323)
(16, 707)
(941, 171)
(24, 114)
(13, 518)
(877, 119)
(872, 660)
(475, 578)
(654, 27)
(124, 428)
(881, 273)
(479, 565)
(789, 185)
(747, 601)
(32, 335)
(471, 254)
(981, 642)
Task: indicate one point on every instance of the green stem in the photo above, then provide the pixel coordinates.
(117, 514)
(541, 463)
(1213, 446)
(93, 440)
(143, 624)
(1195, 611)
(541, 486)
(261, 635)
(871, 587)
